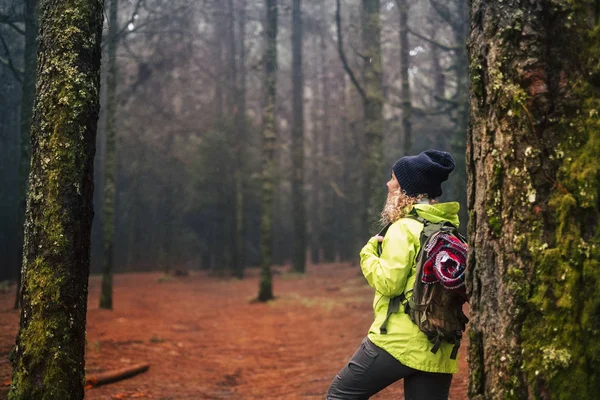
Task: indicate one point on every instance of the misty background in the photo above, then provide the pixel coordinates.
(189, 101)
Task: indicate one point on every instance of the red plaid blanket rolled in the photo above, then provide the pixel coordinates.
(445, 261)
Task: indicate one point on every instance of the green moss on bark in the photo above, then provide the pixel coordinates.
(49, 356)
(535, 309)
(561, 336)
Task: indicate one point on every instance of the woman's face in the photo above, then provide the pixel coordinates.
(393, 184)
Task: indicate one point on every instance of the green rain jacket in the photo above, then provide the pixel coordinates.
(393, 272)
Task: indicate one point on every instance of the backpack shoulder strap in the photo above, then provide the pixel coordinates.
(382, 233)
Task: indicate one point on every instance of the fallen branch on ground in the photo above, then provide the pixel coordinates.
(116, 375)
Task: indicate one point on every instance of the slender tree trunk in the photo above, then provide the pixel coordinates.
(347, 234)
(242, 129)
(265, 292)
(49, 360)
(371, 93)
(439, 80)
(403, 8)
(237, 107)
(110, 164)
(328, 233)
(298, 210)
(373, 105)
(167, 212)
(316, 162)
(27, 99)
(533, 191)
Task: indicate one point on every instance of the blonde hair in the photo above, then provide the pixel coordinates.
(398, 205)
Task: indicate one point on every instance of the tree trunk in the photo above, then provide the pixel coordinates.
(238, 107)
(265, 292)
(298, 210)
(27, 99)
(243, 130)
(533, 191)
(316, 166)
(49, 359)
(372, 97)
(373, 105)
(110, 164)
(404, 67)
(458, 145)
(328, 234)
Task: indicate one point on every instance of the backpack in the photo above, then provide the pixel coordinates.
(439, 290)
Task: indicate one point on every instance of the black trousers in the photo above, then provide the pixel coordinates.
(372, 369)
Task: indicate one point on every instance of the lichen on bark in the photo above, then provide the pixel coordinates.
(534, 140)
(49, 356)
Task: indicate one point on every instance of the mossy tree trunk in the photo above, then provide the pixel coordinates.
(265, 291)
(28, 96)
(374, 189)
(298, 210)
(533, 192)
(49, 358)
(110, 163)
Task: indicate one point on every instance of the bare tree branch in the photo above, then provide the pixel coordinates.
(8, 62)
(433, 42)
(123, 31)
(338, 21)
(12, 21)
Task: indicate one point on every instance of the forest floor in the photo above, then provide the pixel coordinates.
(204, 338)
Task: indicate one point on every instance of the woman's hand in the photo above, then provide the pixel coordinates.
(379, 238)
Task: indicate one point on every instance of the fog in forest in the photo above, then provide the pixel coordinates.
(188, 106)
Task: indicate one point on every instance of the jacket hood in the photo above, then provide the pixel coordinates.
(439, 212)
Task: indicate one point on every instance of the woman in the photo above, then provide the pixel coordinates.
(404, 351)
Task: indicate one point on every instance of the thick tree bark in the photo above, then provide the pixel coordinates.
(265, 291)
(298, 210)
(533, 192)
(49, 359)
(110, 163)
(27, 99)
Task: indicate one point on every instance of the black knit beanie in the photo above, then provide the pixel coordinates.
(424, 173)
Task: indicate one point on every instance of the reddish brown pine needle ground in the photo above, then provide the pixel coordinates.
(205, 339)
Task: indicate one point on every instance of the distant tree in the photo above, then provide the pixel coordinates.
(49, 358)
(298, 207)
(241, 142)
(110, 158)
(265, 291)
(28, 94)
(533, 193)
(371, 92)
(405, 101)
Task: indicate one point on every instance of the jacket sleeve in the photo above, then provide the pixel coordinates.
(388, 273)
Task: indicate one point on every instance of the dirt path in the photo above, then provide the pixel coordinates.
(204, 339)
